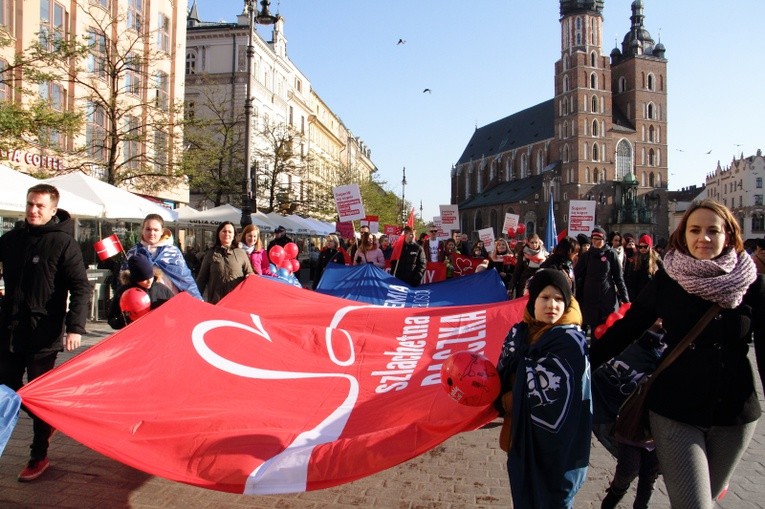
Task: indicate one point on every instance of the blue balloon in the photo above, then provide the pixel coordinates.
(283, 273)
(272, 268)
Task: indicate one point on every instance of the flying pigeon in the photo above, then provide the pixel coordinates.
(426, 90)
(710, 151)
(400, 41)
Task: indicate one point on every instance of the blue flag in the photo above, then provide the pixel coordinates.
(551, 232)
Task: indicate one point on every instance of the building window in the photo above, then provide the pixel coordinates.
(592, 59)
(163, 32)
(5, 88)
(649, 111)
(593, 81)
(97, 42)
(298, 84)
(651, 158)
(5, 13)
(651, 133)
(595, 152)
(135, 14)
(651, 82)
(594, 104)
(101, 3)
(758, 223)
(133, 73)
(623, 159)
(622, 84)
(595, 128)
(54, 95)
(191, 62)
(95, 131)
(52, 24)
(587, 175)
(578, 31)
(131, 141)
(758, 183)
(758, 199)
(595, 176)
(162, 84)
(540, 161)
(160, 151)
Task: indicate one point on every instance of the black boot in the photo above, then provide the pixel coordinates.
(644, 492)
(612, 498)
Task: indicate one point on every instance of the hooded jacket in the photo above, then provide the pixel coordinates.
(170, 260)
(41, 264)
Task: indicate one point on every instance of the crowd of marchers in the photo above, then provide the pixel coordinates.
(603, 312)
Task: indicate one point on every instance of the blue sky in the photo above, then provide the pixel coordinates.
(486, 59)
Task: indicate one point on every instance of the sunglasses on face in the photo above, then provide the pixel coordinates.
(642, 247)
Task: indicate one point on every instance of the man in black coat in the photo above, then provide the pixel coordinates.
(41, 265)
(280, 239)
(410, 265)
(599, 281)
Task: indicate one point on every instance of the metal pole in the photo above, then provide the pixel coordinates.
(403, 195)
(247, 202)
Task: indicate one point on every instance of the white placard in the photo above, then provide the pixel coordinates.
(511, 221)
(450, 219)
(581, 217)
(487, 236)
(348, 202)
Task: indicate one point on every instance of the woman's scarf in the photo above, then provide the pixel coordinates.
(247, 249)
(534, 256)
(572, 316)
(723, 280)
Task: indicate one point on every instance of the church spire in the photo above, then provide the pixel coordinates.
(638, 40)
(568, 7)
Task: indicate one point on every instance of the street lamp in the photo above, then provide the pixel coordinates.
(403, 194)
(263, 17)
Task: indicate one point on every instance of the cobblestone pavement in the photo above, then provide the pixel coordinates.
(467, 471)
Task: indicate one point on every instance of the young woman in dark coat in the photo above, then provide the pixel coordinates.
(703, 407)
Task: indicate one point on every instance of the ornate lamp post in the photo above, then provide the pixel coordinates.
(264, 17)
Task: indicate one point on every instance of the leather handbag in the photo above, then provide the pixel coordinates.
(632, 425)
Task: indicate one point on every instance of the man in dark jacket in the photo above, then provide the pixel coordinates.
(599, 279)
(280, 239)
(410, 265)
(41, 264)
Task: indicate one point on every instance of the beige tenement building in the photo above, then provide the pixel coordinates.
(129, 85)
(325, 153)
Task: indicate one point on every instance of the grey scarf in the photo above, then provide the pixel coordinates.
(723, 280)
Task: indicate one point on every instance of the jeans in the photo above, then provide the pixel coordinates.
(12, 367)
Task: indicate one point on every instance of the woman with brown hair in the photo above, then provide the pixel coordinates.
(703, 408)
(642, 267)
(224, 265)
(252, 244)
(368, 252)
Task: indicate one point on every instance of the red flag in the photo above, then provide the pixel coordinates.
(397, 247)
(297, 392)
(108, 247)
(410, 220)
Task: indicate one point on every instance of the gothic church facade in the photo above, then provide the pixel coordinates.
(602, 137)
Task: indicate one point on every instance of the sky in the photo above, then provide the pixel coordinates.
(486, 59)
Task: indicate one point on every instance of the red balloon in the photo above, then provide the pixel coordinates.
(600, 330)
(470, 379)
(625, 307)
(286, 265)
(511, 231)
(135, 302)
(513, 243)
(295, 265)
(276, 254)
(613, 317)
(291, 250)
(521, 229)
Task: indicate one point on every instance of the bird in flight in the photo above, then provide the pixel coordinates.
(400, 41)
(426, 90)
(680, 150)
(710, 151)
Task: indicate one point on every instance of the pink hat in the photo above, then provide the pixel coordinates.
(645, 239)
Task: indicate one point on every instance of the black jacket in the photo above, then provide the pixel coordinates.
(327, 256)
(410, 267)
(158, 293)
(40, 265)
(599, 285)
(711, 383)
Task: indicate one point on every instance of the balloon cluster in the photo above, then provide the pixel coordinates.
(519, 230)
(284, 262)
(135, 303)
(470, 379)
(610, 320)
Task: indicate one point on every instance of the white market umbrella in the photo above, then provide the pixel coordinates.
(215, 215)
(13, 195)
(117, 203)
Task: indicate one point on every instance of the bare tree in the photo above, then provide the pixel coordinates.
(214, 144)
(132, 123)
(279, 167)
(31, 113)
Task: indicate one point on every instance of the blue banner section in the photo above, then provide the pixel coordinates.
(367, 283)
(10, 402)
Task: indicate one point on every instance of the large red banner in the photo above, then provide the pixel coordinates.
(274, 390)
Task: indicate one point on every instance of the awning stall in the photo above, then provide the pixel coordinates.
(117, 203)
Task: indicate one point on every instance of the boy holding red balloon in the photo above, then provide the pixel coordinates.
(545, 392)
(139, 293)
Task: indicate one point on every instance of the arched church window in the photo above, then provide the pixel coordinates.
(623, 159)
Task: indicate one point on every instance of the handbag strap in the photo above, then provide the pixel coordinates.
(687, 340)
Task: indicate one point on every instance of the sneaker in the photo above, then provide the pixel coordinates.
(34, 469)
